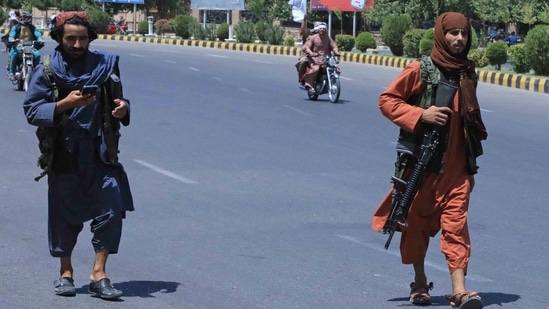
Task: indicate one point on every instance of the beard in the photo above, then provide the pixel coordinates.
(75, 54)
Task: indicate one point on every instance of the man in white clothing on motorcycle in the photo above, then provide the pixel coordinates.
(316, 47)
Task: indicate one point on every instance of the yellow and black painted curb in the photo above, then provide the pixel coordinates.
(519, 81)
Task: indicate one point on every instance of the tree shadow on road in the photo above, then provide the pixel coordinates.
(143, 289)
(489, 298)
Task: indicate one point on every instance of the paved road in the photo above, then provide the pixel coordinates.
(250, 196)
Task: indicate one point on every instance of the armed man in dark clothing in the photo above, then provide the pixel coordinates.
(86, 181)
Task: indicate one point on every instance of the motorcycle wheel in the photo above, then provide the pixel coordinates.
(27, 78)
(21, 80)
(334, 92)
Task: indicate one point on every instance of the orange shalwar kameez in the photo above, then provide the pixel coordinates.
(442, 201)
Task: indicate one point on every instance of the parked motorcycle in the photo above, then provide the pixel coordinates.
(25, 65)
(327, 80)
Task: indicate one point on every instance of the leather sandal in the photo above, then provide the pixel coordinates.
(310, 89)
(104, 289)
(419, 293)
(465, 301)
(64, 286)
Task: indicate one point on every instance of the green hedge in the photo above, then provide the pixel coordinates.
(393, 29)
(519, 58)
(496, 53)
(537, 45)
(365, 40)
(411, 41)
(345, 42)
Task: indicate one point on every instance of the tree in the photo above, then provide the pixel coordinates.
(544, 15)
(528, 14)
(339, 15)
(256, 7)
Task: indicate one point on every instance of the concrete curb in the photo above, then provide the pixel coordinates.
(518, 81)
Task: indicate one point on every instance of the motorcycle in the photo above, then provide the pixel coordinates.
(25, 63)
(327, 80)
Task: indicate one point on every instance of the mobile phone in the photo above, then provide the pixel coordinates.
(90, 89)
(358, 4)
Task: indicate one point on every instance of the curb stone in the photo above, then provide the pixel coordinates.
(518, 81)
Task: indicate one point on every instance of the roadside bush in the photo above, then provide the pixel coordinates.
(479, 57)
(275, 35)
(426, 43)
(496, 53)
(345, 42)
(162, 26)
(392, 31)
(261, 28)
(222, 32)
(289, 41)
(99, 19)
(211, 32)
(537, 45)
(474, 39)
(143, 27)
(519, 58)
(411, 42)
(245, 32)
(182, 25)
(197, 31)
(365, 40)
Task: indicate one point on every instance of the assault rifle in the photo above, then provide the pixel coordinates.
(402, 198)
(111, 125)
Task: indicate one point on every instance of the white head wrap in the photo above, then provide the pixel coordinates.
(320, 25)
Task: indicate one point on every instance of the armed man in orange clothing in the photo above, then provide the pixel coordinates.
(442, 200)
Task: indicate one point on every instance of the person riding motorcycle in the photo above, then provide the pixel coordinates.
(24, 31)
(319, 44)
(122, 25)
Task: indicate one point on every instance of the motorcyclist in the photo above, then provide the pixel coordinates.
(122, 25)
(319, 44)
(24, 31)
(303, 61)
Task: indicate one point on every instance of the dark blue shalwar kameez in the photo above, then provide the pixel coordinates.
(83, 185)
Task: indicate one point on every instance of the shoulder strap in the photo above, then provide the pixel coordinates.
(430, 76)
(51, 79)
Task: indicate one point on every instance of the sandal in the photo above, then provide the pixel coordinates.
(419, 293)
(465, 301)
(64, 286)
(310, 89)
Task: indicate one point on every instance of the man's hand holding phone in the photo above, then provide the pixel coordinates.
(77, 98)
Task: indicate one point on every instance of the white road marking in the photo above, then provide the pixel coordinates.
(194, 69)
(217, 56)
(245, 90)
(170, 61)
(298, 110)
(216, 78)
(397, 254)
(165, 172)
(137, 55)
(345, 78)
(266, 62)
(486, 110)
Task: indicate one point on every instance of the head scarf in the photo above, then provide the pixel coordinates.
(319, 25)
(458, 65)
(62, 17)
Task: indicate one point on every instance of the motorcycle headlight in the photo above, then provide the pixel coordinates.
(27, 49)
(332, 62)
